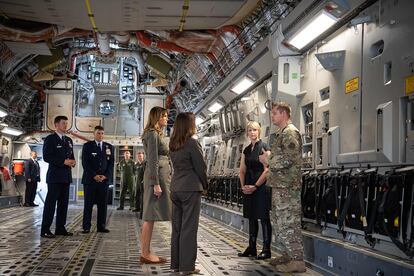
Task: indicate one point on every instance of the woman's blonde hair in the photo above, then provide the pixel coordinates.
(253, 125)
(154, 116)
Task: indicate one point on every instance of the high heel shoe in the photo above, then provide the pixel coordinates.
(148, 261)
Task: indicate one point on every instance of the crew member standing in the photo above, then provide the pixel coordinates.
(285, 178)
(32, 176)
(126, 167)
(98, 166)
(58, 152)
(139, 189)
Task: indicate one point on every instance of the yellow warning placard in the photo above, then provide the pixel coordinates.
(352, 85)
(409, 85)
(80, 193)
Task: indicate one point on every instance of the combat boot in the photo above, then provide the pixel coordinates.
(280, 260)
(251, 250)
(292, 266)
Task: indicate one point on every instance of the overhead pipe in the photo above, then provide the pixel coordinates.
(53, 32)
(122, 37)
(103, 43)
(162, 45)
(73, 57)
(226, 29)
(28, 79)
(7, 33)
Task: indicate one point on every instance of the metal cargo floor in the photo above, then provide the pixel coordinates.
(23, 252)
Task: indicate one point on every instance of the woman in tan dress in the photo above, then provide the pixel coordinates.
(157, 177)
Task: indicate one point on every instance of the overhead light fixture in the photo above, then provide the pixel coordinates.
(199, 120)
(215, 107)
(3, 113)
(317, 26)
(242, 85)
(12, 131)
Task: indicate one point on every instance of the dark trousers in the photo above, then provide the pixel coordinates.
(95, 193)
(56, 192)
(30, 193)
(185, 217)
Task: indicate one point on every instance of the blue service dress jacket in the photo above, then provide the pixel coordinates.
(97, 162)
(55, 152)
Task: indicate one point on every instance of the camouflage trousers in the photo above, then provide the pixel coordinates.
(286, 221)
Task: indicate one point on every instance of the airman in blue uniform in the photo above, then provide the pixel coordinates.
(58, 152)
(98, 167)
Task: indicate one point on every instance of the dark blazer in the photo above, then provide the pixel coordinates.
(190, 170)
(31, 171)
(97, 162)
(55, 151)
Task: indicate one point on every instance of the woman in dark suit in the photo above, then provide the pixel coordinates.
(257, 196)
(188, 181)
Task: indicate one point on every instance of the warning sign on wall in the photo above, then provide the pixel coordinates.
(409, 85)
(352, 85)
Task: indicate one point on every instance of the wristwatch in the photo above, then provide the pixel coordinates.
(257, 186)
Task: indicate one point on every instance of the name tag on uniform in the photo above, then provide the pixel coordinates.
(58, 147)
(94, 153)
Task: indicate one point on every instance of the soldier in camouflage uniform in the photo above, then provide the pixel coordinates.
(285, 179)
(127, 167)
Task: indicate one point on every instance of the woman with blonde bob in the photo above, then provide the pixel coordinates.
(188, 181)
(156, 199)
(257, 196)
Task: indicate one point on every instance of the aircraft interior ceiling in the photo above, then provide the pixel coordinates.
(41, 47)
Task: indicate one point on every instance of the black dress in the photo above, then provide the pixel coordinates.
(258, 204)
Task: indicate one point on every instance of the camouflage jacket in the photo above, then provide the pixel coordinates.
(285, 161)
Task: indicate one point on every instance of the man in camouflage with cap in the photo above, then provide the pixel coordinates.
(285, 179)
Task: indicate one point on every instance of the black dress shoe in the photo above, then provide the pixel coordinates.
(33, 205)
(48, 235)
(135, 210)
(63, 233)
(86, 231)
(26, 205)
(249, 252)
(265, 254)
(103, 230)
(120, 208)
